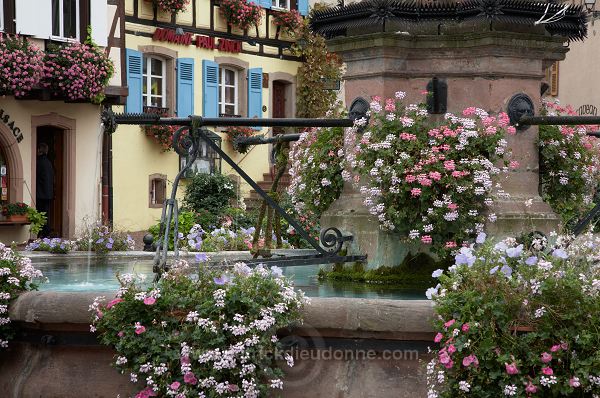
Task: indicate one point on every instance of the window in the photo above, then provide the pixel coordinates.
(284, 4)
(158, 190)
(65, 19)
(1, 15)
(154, 82)
(228, 92)
(3, 178)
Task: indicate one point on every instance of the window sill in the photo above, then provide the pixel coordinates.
(64, 39)
(280, 9)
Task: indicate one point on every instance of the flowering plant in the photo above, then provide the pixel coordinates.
(21, 65)
(54, 245)
(518, 321)
(15, 209)
(569, 164)
(206, 337)
(429, 183)
(234, 133)
(241, 13)
(102, 239)
(317, 162)
(287, 21)
(17, 275)
(77, 71)
(172, 6)
(223, 239)
(162, 134)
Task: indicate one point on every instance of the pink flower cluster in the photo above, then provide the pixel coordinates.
(77, 71)
(21, 65)
(288, 21)
(240, 13)
(172, 6)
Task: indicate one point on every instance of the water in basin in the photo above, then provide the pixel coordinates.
(98, 274)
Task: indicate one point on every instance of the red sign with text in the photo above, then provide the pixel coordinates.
(208, 42)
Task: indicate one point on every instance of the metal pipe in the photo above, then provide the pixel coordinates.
(558, 120)
(259, 140)
(152, 119)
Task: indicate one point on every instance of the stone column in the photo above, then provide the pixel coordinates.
(481, 68)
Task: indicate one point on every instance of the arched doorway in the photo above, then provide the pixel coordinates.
(49, 178)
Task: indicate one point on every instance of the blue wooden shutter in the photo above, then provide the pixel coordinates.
(303, 7)
(264, 3)
(255, 81)
(210, 88)
(185, 87)
(134, 81)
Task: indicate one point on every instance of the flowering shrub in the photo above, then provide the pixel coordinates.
(21, 65)
(287, 21)
(101, 239)
(240, 13)
(222, 239)
(234, 132)
(54, 245)
(77, 71)
(569, 165)
(317, 162)
(17, 275)
(428, 183)
(15, 209)
(206, 337)
(518, 321)
(172, 6)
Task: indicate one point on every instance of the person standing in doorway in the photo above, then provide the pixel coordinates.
(44, 185)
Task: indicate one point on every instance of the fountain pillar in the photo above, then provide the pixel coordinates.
(481, 68)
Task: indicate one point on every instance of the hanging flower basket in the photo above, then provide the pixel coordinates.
(77, 71)
(22, 65)
(240, 13)
(234, 133)
(171, 6)
(287, 22)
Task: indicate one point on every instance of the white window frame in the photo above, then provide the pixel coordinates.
(61, 36)
(2, 15)
(222, 86)
(280, 5)
(148, 77)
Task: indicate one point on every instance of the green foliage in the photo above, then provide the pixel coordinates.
(15, 209)
(219, 325)
(569, 166)
(37, 220)
(517, 319)
(186, 220)
(209, 192)
(318, 67)
(415, 272)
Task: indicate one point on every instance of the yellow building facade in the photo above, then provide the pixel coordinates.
(193, 63)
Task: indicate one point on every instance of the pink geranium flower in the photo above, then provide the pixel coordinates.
(139, 328)
(546, 357)
(438, 338)
(547, 371)
(149, 300)
(470, 360)
(511, 368)
(113, 302)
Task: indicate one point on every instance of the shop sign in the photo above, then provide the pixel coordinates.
(5, 118)
(200, 41)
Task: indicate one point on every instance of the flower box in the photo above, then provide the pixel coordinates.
(18, 218)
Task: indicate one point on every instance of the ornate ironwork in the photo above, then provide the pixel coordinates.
(377, 14)
(186, 142)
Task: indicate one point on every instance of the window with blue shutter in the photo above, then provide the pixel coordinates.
(255, 93)
(185, 87)
(303, 7)
(134, 81)
(210, 88)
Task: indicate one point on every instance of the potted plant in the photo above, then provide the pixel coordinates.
(171, 6)
(240, 13)
(287, 22)
(234, 133)
(16, 212)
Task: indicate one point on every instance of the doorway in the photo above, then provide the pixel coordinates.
(53, 138)
(279, 100)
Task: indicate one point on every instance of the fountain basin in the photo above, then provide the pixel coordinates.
(348, 348)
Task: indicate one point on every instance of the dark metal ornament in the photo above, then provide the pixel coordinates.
(519, 105)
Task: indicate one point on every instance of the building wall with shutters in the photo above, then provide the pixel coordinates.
(578, 80)
(264, 53)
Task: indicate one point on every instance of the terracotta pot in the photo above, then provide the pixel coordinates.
(18, 218)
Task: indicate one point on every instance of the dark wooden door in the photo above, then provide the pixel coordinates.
(54, 138)
(278, 103)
